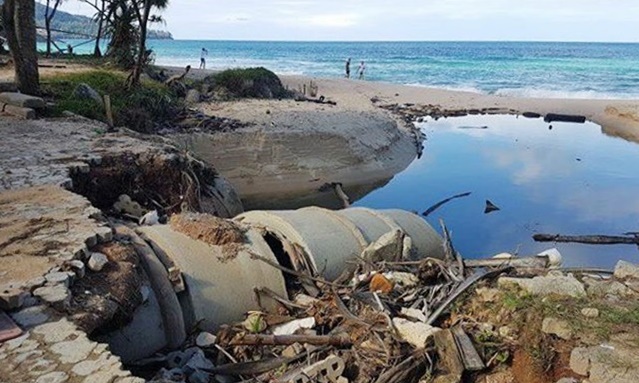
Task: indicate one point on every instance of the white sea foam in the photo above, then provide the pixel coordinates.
(456, 88)
(563, 94)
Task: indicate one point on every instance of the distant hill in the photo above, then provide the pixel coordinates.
(65, 21)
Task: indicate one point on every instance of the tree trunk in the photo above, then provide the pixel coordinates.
(19, 19)
(137, 70)
(47, 25)
(96, 51)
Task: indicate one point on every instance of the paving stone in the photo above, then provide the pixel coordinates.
(13, 344)
(59, 277)
(42, 366)
(74, 351)
(53, 377)
(130, 379)
(58, 295)
(88, 367)
(78, 267)
(22, 100)
(54, 332)
(19, 358)
(11, 298)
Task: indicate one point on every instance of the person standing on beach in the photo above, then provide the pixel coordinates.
(348, 68)
(361, 70)
(203, 58)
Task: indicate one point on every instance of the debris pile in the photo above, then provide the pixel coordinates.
(384, 322)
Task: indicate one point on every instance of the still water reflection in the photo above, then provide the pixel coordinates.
(571, 179)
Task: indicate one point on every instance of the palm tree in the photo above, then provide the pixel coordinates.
(143, 10)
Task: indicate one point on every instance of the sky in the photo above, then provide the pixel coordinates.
(400, 20)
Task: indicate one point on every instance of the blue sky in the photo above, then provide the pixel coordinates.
(353, 20)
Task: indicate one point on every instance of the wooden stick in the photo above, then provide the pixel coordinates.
(443, 202)
(109, 111)
(287, 340)
(587, 239)
(343, 196)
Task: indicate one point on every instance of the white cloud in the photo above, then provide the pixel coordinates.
(580, 20)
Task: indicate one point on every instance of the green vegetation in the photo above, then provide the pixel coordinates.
(248, 83)
(139, 108)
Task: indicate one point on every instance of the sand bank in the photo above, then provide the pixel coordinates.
(292, 148)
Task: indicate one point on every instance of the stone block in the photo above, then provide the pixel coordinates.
(18, 111)
(22, 100)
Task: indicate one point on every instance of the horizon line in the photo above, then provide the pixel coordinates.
(410, 41)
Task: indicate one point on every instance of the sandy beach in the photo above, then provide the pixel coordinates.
(291, 149)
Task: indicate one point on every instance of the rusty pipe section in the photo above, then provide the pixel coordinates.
(213, 285)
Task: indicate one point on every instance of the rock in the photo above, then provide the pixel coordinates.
(22, 100)
(54, 332)
(292, 350)
(17, 111)
(97, 261)
(558, 327)
(580, 361)
(11, 299)
(197, 361)
(78, 268)
(85, 92)
(604, 288)
(626, 270)
(53, 377)
(193, 96)
(199, 377)
(414, 333)
(126, 205)
(567, 380)
(590, 312)
(292, 327)
(389, 247)
(31, 316)
(58, 295)
(380, 284)
(414, 314)
(205, 339)
(178, 359)
(551, 284)
(503, 256)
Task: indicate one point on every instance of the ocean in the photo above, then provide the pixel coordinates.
(528, 69)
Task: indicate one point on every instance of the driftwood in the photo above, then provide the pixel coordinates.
(178, 78)
(470, 281)
(469, 356)
(551, 117)
(524, 262)
(443, 202)
(287, 340)
(588, 239)
(449, 359)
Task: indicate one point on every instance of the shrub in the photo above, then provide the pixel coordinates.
(139, 108)
(249, 83)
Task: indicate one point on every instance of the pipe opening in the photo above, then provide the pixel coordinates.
(283, 258)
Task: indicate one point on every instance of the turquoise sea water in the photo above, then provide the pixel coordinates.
(574, 70)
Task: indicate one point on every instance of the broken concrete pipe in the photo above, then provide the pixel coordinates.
(193, 283)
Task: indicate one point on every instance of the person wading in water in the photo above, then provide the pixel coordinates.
(348, 68)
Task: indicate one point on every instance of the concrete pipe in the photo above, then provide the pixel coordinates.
(331, 238)
(220, 281)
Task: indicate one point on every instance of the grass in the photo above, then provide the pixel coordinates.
(137, 108)
(249, 83)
